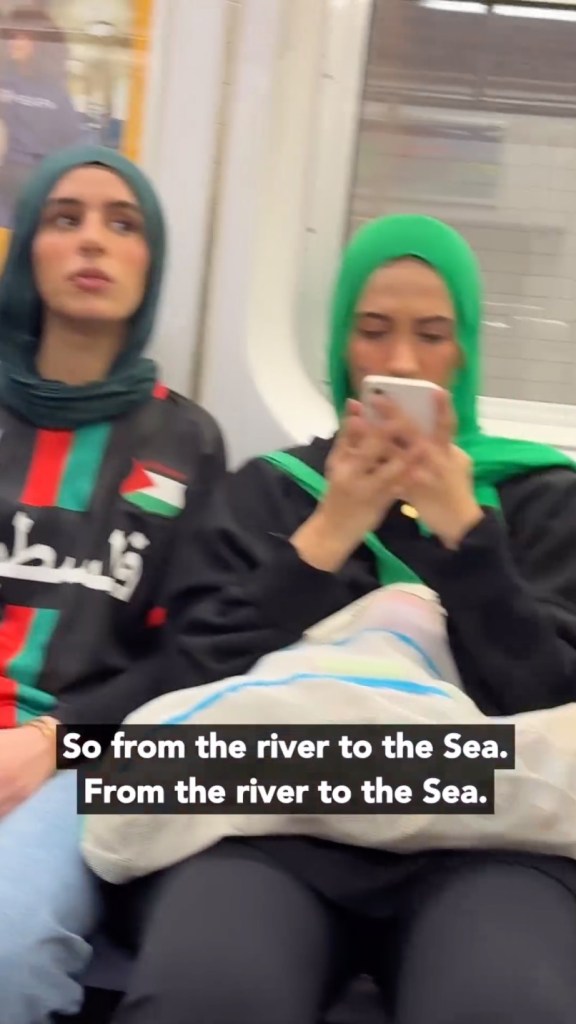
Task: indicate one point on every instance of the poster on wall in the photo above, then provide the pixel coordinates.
(71, 71)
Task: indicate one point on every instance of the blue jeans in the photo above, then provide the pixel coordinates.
(48, 905)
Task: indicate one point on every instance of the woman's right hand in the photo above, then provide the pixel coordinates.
(364, 472)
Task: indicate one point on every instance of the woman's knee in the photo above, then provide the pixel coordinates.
(495, 999)
(253, 945)
(48, 907)
(516, 960)
(253, 998)
(231, 978)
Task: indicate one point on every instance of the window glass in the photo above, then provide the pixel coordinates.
(469, 114)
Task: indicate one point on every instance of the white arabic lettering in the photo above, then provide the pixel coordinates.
(37, 562)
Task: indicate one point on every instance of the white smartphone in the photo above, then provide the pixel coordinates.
(414, 397)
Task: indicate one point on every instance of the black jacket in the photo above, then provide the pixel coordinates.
(510, 590)
(90, 528)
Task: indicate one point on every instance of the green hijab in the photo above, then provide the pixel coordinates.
(51, 404)
(495, 459)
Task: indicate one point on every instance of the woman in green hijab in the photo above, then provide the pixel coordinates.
(101, 467)
(277, 924)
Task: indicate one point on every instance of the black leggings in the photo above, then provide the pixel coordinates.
(231, 938)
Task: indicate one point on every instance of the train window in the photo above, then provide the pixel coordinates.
(464, 110)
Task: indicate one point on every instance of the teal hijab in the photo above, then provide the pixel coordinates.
(51, 404)
(494, 459)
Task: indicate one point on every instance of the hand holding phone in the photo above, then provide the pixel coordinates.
(416, 398)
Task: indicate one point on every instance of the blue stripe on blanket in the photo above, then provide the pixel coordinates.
(402, 637)
(401, 685)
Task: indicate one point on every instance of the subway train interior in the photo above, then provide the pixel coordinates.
(273, 129)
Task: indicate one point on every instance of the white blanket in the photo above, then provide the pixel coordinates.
(383, 661)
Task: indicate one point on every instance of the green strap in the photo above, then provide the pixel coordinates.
(390, 568)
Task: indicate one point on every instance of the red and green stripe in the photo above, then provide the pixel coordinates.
(65, 466)
(63, 473)
(24, 638)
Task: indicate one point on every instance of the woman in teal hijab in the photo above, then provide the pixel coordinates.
(129, 378)
(490, 525)
(101, 468)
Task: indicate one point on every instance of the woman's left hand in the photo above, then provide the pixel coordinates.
(438, 477)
